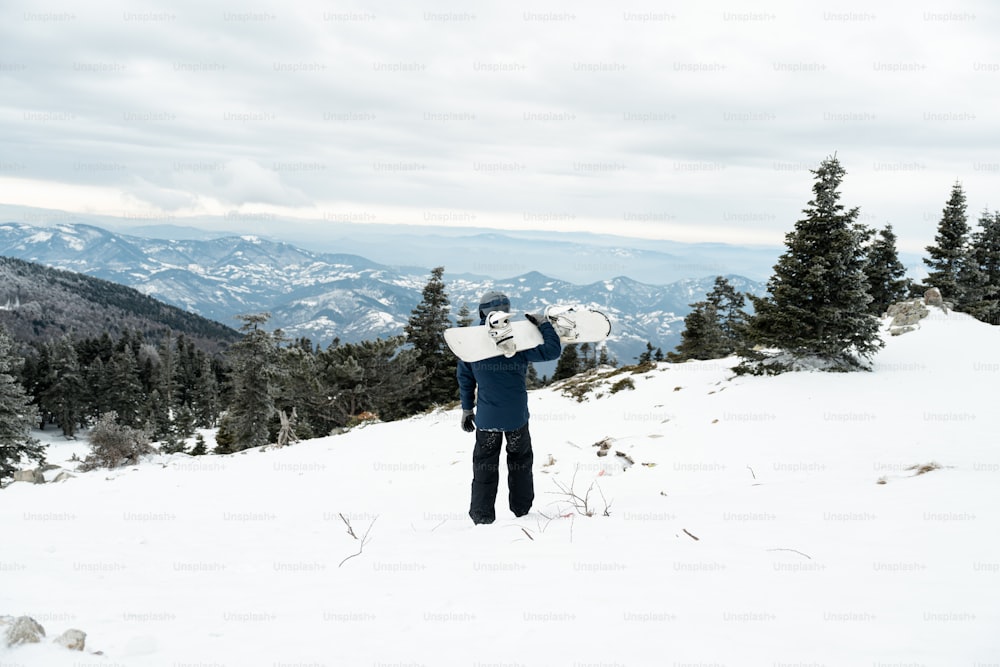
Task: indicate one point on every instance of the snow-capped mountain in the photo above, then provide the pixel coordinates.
(324, 296)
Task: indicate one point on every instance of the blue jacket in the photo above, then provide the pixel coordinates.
(503, 396)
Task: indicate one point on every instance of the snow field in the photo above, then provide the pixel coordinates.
(802, 557)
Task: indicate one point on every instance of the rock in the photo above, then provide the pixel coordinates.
(63, 476)
(72, 639)
(31, 476)
(932, 297)
(24, 630)
(905, 316)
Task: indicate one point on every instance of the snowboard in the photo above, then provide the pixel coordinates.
(503, 335)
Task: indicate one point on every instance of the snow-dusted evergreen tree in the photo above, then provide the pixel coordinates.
(17, 415)
(464, 316)
(531, 380)
(949, 254)
(646, 357)
(371, 376)
(125, 392)
(206, 395)
(299, 391)
(703, 336)
(425, 332)
(818, 298)
(887, 281)
(729, 305)
(568, 364)
(983, 297)
(254, 362)
(64, 394)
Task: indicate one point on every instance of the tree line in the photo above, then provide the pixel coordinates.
(835, 278)
(265, 388)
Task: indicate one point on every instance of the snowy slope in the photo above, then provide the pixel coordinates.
(802, 557)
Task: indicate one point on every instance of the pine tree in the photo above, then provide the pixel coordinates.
(63, 397)
(125, 394)
(818, 296)
(568, 364)
(96, 386)
(703, 336)
(17, 415)
(254, 368)
(371, 376)
(464, 316)
(206, 395)
(532, 381)
(732, 319)
(985, 256)
(425, 332)
(199, 448)
(886, 275)
(949, 253)
(647, 356)
(299, 391)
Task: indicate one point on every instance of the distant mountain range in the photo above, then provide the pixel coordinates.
(326, 295)
(39, 303)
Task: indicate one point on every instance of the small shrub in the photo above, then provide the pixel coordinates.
(199, 448)
(113, 445)
(624, 383)
(925, 468)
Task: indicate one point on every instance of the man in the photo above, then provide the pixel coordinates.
(502, 411)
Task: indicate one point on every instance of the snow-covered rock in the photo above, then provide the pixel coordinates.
(72, 639)
(30, 476)
(23, 630)
(905, 316)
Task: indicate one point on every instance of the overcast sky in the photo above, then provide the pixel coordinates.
(689, 121)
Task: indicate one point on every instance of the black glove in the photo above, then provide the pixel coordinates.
(536, 318)
(468, 421)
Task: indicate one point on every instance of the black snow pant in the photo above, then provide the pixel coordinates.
(486, 473)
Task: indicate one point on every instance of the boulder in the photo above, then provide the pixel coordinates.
(63, 476)
(932, 297)
(72, 639)
(24, 630)
(905, 316)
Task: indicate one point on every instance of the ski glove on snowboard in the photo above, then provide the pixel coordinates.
(536, 318)
(468, 421)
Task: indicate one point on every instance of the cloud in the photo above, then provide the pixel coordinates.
(700, 115)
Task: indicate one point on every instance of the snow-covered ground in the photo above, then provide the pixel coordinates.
(751, 530)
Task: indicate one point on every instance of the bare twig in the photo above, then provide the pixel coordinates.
(793, 551)
(548, 520)
(350, 531)
(751, 472)
(607, 505)
(364, 539)
(523, 530)
(690, 535)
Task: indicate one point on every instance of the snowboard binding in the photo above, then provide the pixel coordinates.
(564, 326)
(501, 332)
